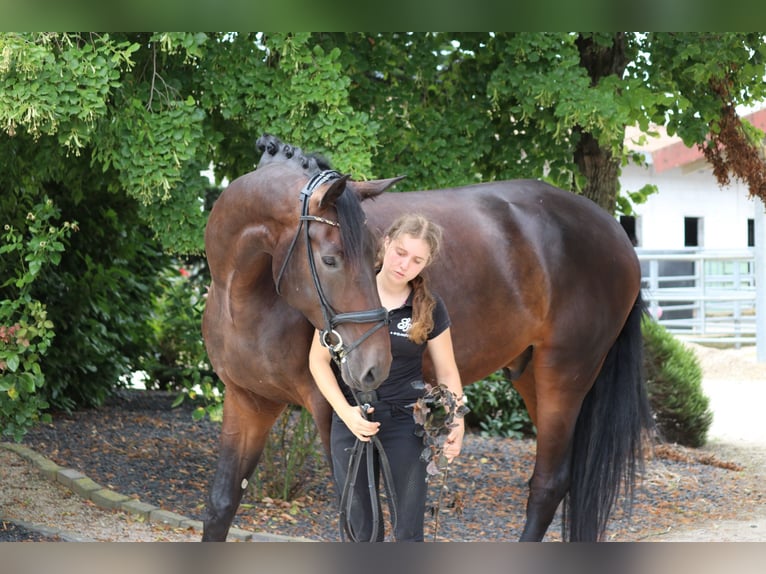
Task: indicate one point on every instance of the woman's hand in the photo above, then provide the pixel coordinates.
(357, 424)
(454, 442)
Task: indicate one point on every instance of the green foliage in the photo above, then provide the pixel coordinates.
(59, 84)
(497, 408)
(99, 298)
(26, 331)
(176, 323)
(627, 199)
(290, 453)
(179, 360)
(126, 122)
(674, 383)
(691, 66)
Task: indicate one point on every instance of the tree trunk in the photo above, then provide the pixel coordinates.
(601, 171)
(596, 163)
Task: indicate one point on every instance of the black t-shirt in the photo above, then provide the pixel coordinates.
(407, 363)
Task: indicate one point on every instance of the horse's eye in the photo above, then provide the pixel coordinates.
(329, 261)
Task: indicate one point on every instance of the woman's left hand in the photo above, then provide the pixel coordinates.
(454, 442)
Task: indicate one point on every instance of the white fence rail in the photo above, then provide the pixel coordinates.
(702, 296)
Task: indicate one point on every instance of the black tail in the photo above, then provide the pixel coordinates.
(608, 447)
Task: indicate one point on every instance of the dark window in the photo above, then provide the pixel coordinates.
(751, 232)
(629, 225)
(691, 231)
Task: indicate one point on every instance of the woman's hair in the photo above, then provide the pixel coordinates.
(423, 302)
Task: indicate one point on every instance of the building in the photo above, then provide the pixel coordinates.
(690, 208)
(696, 241)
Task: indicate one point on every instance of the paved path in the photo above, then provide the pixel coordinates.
(739, 409)
(739, 426)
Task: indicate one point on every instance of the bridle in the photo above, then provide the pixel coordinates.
(329, 337)
(339, 352)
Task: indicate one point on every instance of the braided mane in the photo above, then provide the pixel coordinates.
(357, 240)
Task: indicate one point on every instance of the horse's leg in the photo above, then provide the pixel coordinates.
(321, 411)
(247, 420)
(554, 408)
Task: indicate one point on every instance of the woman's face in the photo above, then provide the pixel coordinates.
(404, 258)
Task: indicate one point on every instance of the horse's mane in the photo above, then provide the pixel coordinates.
(356, 237)
(275, 150)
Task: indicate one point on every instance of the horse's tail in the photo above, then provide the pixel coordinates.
(608, 445)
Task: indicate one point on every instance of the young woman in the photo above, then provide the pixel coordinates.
(419, 322)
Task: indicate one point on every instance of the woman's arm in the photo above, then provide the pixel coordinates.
(443, 357)
(319, 365)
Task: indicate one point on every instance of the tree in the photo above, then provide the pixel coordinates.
(126, 123)
(115, 130)
(460, 107)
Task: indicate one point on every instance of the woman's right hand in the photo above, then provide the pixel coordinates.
(357, 424)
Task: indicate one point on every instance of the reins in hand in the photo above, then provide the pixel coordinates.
(366, 450)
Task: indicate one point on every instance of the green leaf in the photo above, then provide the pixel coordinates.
(12, 363)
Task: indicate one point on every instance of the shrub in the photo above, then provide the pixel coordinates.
(674, 385)
(98, 298)
(497, 408)
(291, 453)
(26, 330)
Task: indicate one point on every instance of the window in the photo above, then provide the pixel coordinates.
(629, 225)
(692, 231)
(751, 232)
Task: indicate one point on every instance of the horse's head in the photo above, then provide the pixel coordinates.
(324, 267)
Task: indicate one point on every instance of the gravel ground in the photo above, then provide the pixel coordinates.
(139, 446)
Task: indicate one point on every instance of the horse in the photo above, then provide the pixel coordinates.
(538, 281)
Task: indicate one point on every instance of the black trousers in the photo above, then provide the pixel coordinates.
(403, 448)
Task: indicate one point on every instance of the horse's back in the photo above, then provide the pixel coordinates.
(522, 263)
(499, 231)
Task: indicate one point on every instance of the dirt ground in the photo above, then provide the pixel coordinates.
(734, 381)
(736, 385)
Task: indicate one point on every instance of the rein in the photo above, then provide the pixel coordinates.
(329, 337)
(359, 451)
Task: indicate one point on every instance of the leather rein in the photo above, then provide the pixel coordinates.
(366, 450)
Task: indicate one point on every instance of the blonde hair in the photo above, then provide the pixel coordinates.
(423, 301)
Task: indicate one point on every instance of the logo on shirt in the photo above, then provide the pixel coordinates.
(405, 324)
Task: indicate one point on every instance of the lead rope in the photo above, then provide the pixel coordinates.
(367, 450)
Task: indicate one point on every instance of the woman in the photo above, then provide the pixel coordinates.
(418, 322)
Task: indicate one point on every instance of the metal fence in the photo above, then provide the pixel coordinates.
(702, 296)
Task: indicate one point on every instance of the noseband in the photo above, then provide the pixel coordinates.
(329, 337)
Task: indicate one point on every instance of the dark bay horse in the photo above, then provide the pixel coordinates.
(538, 281)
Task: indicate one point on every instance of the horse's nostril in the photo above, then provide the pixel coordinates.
(370, 379)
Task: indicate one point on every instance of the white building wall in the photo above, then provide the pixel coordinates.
(660, 221)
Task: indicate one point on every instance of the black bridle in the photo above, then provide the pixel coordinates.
(339, 352)
(329, 337)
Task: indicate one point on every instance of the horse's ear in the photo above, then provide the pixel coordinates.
(374, 187)
(327, 195)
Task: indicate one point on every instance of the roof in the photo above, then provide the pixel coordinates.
(667, 152)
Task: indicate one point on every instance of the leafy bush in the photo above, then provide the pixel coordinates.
(497, 408)
(674, 384)
(179, 358)
(291, 453)
(26, 331)
(98, 298)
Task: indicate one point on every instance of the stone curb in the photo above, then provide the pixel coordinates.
(108, 499)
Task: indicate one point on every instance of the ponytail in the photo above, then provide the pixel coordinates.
(423, 303)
